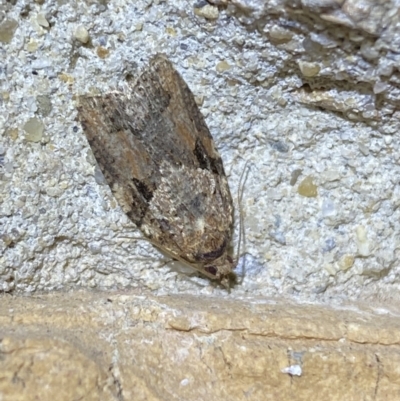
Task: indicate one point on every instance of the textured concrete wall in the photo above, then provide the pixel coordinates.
(306, 91)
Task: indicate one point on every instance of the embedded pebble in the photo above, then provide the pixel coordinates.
(7, 30)
(279, 34)
(307, 188)
(81, 34)
(279, 146)
(310, 46)
(98, 175)
(329, 245)
(95, 248)
(34, 129)
(369, 51)
(363, 245)
(328, 208)
(330, 175)
(32, 45)
(330, 269)
(12, 133)
(41, 64)
(102, 52)
(44, 104)
(346, 262)
(294, 176)
(223, 66)
(308, 69)
(364, 149)
(8, 167)
(42, 21)
(323, 39)
(380, 87)
(208, 12)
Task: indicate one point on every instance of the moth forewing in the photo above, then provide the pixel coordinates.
(158, 157)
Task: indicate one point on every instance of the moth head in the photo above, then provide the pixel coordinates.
(221, 269)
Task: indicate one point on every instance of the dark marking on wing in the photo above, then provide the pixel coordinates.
(143, 189)
(214, 254)
(205, 161)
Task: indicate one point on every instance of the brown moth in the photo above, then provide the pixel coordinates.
(156, 153)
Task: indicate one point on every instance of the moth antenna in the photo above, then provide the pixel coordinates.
(135, 238)
(242, 182)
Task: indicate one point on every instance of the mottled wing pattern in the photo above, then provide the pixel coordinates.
(157, 154)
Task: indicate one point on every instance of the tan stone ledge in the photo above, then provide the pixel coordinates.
(138, 346)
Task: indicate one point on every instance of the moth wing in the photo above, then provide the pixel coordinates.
(157, 155)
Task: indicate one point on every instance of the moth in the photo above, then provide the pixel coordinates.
(157, 155)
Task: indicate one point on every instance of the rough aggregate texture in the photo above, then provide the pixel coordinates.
(299, 89)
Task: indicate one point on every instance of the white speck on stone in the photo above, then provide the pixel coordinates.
(184, 382)
(293, 370)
